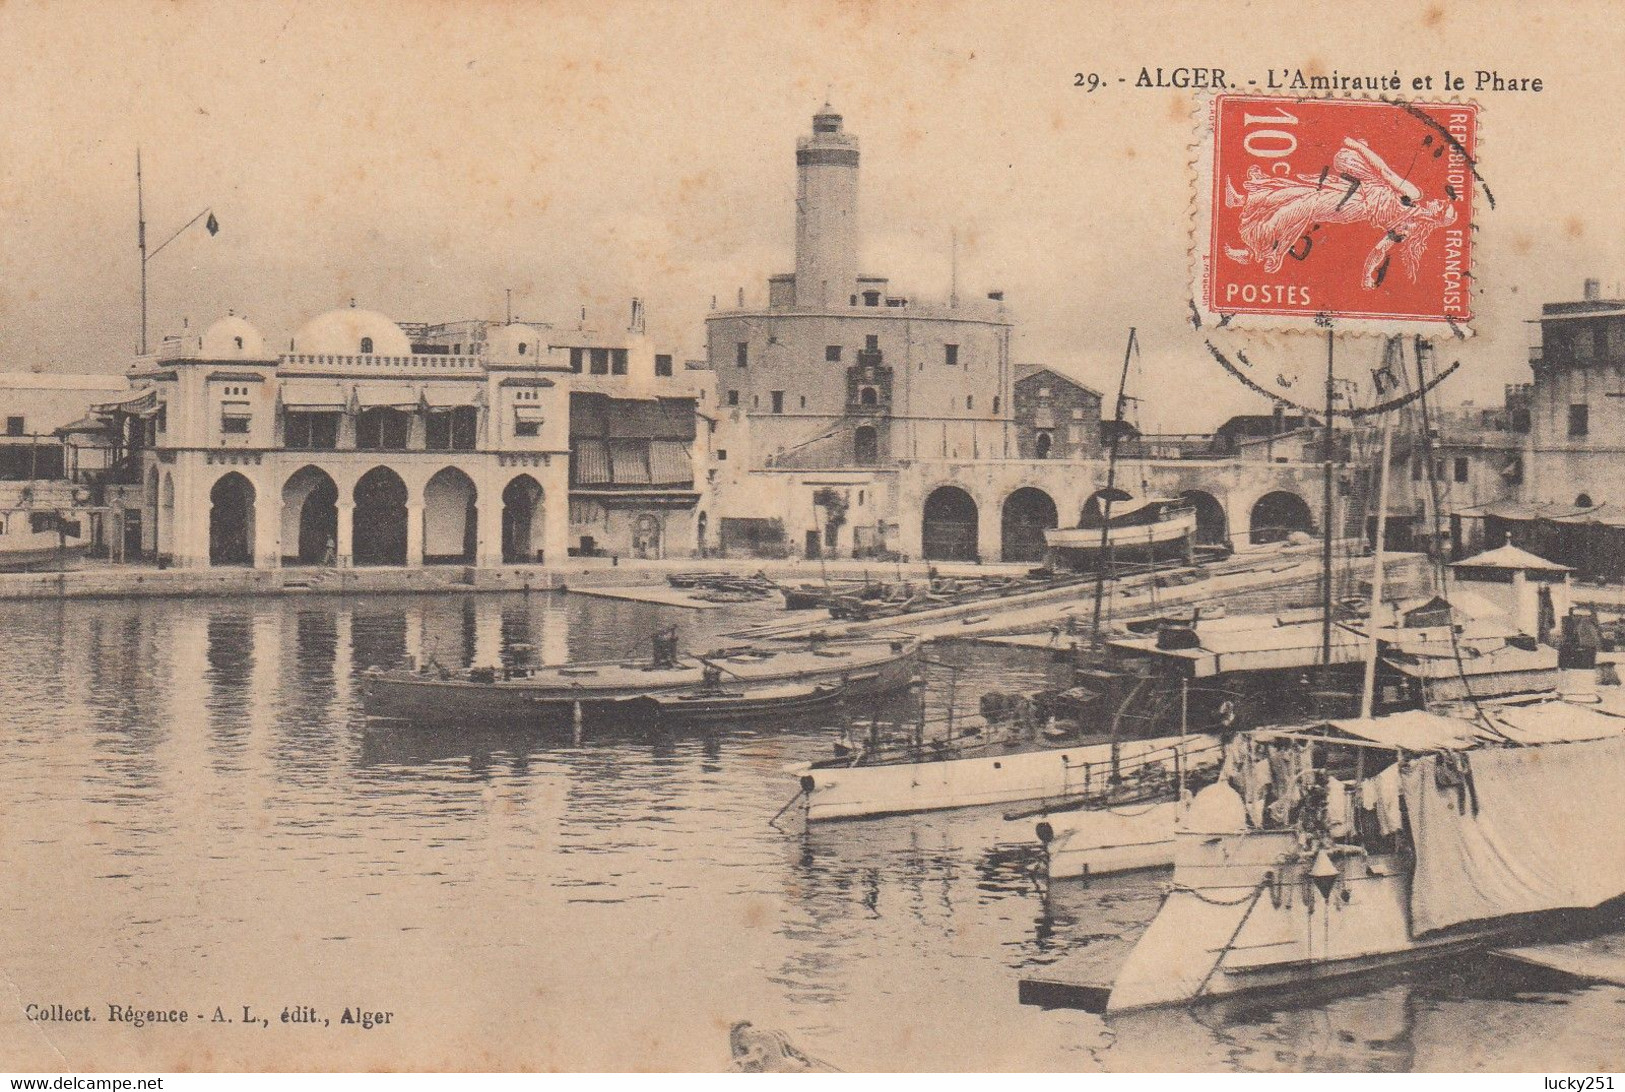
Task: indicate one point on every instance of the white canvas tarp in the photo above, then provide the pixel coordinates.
(1534, 828)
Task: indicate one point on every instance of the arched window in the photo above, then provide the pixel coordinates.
(868, 397)
(1042, 446)
(366, 346)
(1583, 501)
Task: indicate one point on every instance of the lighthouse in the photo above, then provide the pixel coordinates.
(826, 214)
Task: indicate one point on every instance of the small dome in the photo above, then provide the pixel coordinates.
(350, 331)
(232, 338)
(514, 343)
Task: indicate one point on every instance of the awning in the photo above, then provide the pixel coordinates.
(669, 463)
(310, 395)
(84, 424)
(629, 462)
(236, 410)
(401, 396)
(528, 414)
(591, 459)
(1556, 722)
(141, 404)
(1415, 730)
(452, 395)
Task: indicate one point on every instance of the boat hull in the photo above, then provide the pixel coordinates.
(859, 670)
(1260, 923)
(1105, 841)
(40, 555)
(1170, 537)
(994, 775)
(700, 706)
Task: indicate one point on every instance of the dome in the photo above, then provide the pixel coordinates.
(232, 338)
(515, 343)
(350, 331)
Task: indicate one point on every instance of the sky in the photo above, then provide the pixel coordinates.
(422, 158)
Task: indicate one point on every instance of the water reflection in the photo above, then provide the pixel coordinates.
(205, 803)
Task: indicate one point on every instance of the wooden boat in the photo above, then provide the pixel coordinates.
(1116, 524)
(724, 703)
(23, 549)
(437, 694)
(1314, 886)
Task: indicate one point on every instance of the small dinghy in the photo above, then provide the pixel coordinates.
(736, 702)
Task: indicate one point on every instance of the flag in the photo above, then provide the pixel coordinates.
(212, 225)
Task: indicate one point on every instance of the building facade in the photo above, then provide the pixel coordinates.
(359, 445)
(838, 384)
(1056, 417)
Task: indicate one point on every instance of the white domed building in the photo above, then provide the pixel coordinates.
(365, 443)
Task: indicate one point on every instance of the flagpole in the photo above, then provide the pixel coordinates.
(141, 245)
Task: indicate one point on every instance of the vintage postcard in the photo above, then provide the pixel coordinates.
(812, 535)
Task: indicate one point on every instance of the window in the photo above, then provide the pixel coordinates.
(871, 299)
(235, 418)
(755, 402)
(527, 421)
(970, 401)
(1077, 413)
(366, 346)
(778, 401)
(576, 360)
(161, 422)
(950, 355)
(523, 348)
(311, 431)
(16, 426)
(865, 446)
(1043, 392)
(860, 498)
(803, 401)
(599, 361)
(1616, 339)
(1579, 420)
(832, 353)
(239, 342)
(1416, 469)
(722, 454)
(733, 398)
(663, 364)
(868, 396)
(1583, 344)
(617, 361)
(1461, 469)
(742, 353)
(381, 430)
(995, 403)
(1583, 501)
(452, 430)
(871, 343)
(1042, 445)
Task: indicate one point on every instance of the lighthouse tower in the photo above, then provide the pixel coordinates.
(826, 214)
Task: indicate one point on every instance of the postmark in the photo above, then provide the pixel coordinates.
(1357, 210)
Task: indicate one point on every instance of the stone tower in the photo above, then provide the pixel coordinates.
(826, 214)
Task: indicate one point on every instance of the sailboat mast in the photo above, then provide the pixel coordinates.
(1326, 521)
(1111, 485)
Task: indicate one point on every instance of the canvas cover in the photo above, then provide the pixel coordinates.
(1533, 828)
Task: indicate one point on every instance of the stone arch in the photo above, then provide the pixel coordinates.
(378, 525)
(1279, 514)
(310, 517)
(1212, 521)
(948, 525)
(1028, 512)
(523, 525)
(450, 518)
(231, 520)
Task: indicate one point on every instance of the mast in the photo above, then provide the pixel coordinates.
(141, 246)
(1326, 524)
(1369, 688)
(1111, 484)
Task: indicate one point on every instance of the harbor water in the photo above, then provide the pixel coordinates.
(196, 815)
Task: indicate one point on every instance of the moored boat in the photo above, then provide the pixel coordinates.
(435, 693)
(715, 701)
(1352, 845)
(1117, 525)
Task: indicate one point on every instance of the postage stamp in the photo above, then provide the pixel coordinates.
(1353, 209)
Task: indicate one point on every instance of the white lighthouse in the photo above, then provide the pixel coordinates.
(826, 214)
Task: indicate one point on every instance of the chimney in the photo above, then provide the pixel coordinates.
(1593, 289)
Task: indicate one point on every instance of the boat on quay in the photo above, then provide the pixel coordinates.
(1143, 528)
(435, 693)
(1342, 847)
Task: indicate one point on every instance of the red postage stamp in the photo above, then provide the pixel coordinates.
(1344, 208)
